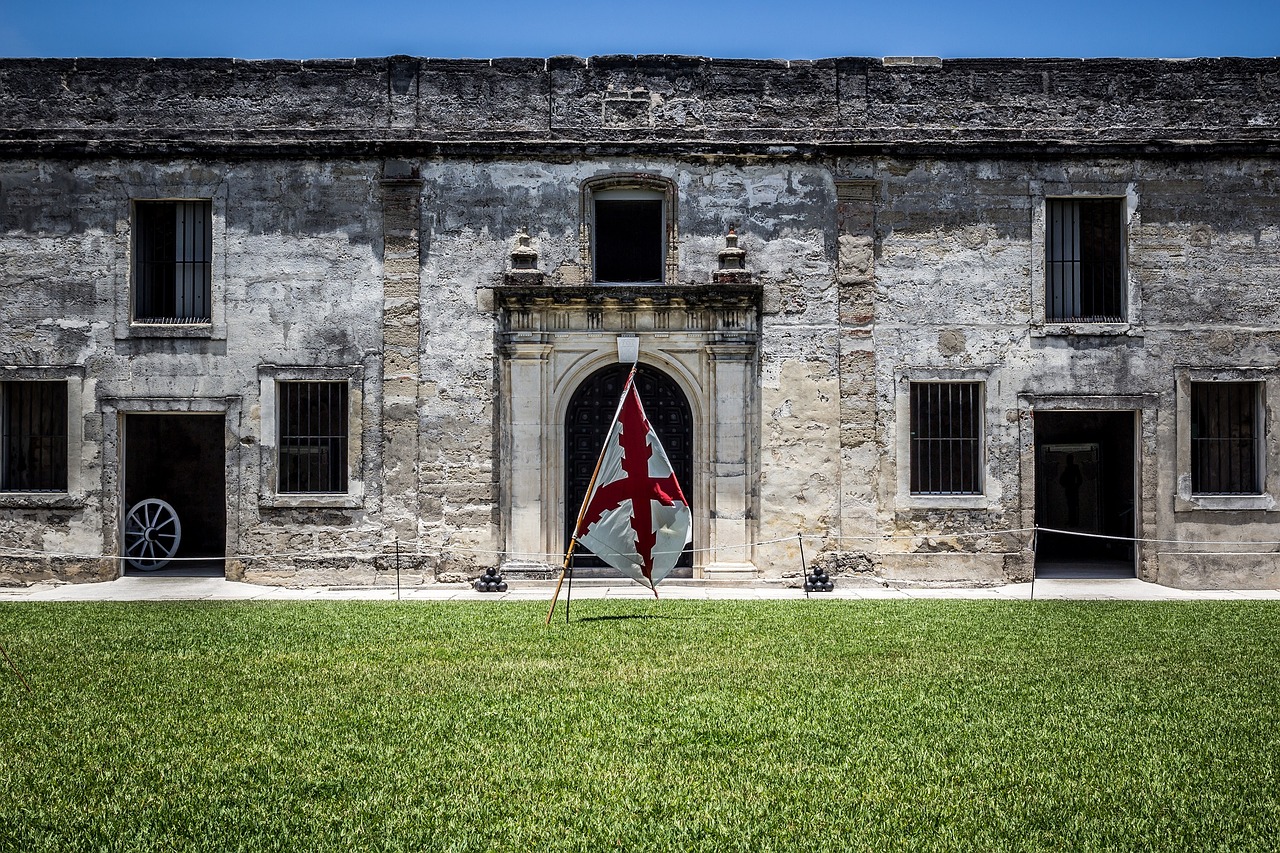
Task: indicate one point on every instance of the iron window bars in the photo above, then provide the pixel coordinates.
(313, 437)
(1084, 260)
(33, 436)
(172, 250)
(946, 438)
(1226, 438)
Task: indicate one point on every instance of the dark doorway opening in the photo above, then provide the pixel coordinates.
(1085, 482)
(181, 459)
(591, 411)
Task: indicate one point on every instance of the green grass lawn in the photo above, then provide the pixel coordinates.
(642, 725)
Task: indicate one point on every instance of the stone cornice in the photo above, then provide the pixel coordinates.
(900, 144)
(629, 307)
(692, 295)
(624, 105)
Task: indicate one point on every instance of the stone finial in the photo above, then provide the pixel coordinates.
(524, 262)
(524, 256)
(733, 261)
(731, 257)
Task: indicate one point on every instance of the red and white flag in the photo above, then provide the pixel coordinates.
(636, 517)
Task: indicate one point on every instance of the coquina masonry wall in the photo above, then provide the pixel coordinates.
(892, 213)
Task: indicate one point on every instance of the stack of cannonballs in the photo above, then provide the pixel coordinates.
(491, 581)
(818, 581)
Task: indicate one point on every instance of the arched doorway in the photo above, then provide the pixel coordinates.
(590, 413)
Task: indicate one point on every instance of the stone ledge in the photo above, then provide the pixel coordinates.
(41, 500)
(734, 295)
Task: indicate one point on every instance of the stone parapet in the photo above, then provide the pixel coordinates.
(402, 106)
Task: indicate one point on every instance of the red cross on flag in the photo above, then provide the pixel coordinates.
(635, 517)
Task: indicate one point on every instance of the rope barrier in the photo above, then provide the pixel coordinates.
(435, 550)
(1236, 543)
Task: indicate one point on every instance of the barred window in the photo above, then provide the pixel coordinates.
(313, 437)
(946, 438)
(1226, 438)
(1084, 260)
(172, 251)
(33, 436)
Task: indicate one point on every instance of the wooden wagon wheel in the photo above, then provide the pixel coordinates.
(152, 532)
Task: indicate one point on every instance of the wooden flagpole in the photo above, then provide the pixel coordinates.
(586, 499)
(568, 593)
(568, 555)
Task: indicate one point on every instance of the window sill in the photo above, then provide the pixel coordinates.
(943, 502)
(174, 330)
(1045, 330)
(41, 500)
(316, 501)
(1225, 503)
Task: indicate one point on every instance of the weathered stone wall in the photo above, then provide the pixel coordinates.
(296, 266)
(955, 282)
(892, 215)
(782, 214)
(301, 275)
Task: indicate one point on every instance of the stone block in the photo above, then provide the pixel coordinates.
(948, 567)
(401, 287)
(1218, 570)
(400, 336)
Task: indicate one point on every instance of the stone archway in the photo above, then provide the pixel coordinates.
(587, 421)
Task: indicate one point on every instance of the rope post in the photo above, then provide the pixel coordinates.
(397, 568)
(1035, 540)
(804, 570)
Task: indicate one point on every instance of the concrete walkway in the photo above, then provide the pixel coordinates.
(156, 588)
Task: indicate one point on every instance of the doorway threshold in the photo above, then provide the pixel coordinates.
(214, 567)
(1085, 569)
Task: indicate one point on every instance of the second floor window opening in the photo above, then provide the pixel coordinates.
(172, 253)
(1084, 260)
(629, 236)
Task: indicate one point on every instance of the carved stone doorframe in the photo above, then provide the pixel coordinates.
(704, 338)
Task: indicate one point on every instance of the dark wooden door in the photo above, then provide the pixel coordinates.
(591, 411)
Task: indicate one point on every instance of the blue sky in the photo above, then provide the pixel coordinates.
(790, 29)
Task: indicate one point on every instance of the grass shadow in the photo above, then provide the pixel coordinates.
(618, 617)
